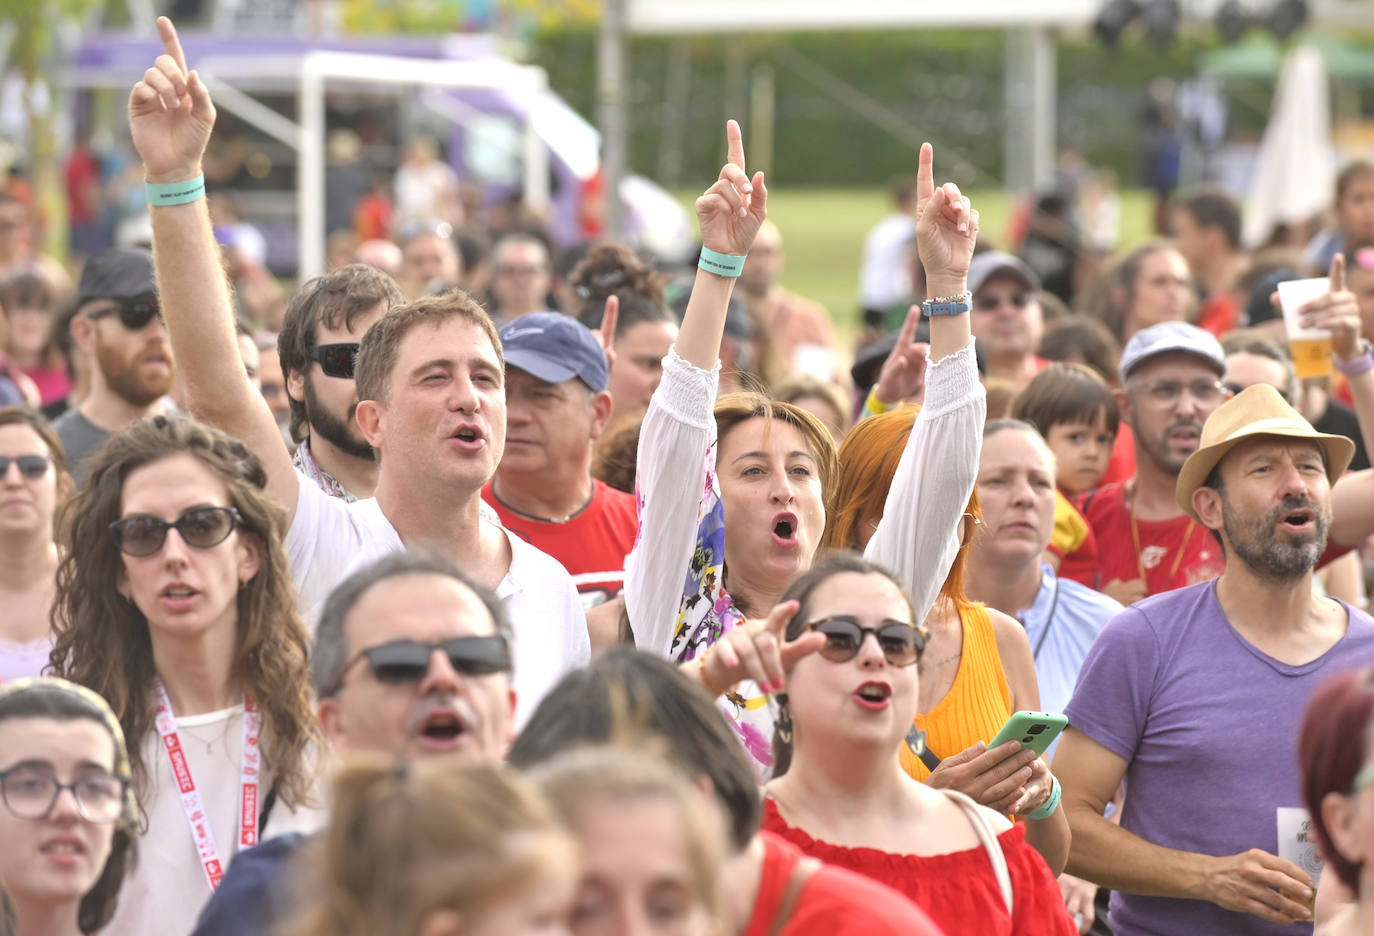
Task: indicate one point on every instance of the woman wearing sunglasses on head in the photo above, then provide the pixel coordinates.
(68, 821)
(33, 484)
(732, 491)
(979, 668)
(839, 791)
(178, 609)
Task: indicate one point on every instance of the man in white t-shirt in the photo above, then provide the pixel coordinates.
(431, 384)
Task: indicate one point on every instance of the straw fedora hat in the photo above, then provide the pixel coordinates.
(1257, 410)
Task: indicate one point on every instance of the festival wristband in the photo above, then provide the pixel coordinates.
(1051, 804)
(175, 193)
(1360, 365)
(713, 261)
(874, 406)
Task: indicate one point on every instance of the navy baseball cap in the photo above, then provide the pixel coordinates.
(555, 347)
(117, 273)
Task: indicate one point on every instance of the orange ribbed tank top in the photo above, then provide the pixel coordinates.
(976, 706)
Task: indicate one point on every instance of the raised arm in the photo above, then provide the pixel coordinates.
(917, 538)
(170, 118)
(677, 438)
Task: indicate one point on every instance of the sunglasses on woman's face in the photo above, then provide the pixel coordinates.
(32, 467)
(901, 644)
(336, 360)
(134, 314)
(201, 527)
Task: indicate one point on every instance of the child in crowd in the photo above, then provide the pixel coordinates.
(1074, 409)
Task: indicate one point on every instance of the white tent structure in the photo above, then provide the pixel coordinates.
(1296, 170)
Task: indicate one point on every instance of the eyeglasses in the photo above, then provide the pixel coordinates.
(901, 643)
(134, 314)
(201, 527)
(407, 661)
(336, 360)
(1168, 392)
(32, 467)
(986, 303)
(31, 792)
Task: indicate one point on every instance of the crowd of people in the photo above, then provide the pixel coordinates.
(409, 605)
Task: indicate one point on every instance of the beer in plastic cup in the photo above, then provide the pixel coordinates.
(1311, 347)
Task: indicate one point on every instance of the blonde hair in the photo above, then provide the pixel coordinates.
(579, 778)
(405, 841)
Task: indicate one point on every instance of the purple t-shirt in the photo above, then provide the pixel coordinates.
(1209, 724)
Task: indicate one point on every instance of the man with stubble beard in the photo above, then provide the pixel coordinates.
(318, 347)
(118, 327)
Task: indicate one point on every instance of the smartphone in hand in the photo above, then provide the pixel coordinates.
(1035, 730)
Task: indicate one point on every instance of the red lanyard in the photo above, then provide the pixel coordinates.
(191, 803)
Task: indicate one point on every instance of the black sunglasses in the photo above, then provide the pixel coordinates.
(32, 467)
(901, 643)
(336, 360)
(201, 527)
(407, 661)
(134, 314)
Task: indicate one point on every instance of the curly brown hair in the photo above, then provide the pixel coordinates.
(102, 641)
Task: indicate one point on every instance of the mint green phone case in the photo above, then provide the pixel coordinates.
(1035, 730)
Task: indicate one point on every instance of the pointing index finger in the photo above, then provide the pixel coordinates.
(925, 173)
(735, 143)
(778, 618)
(1337, 275)
(608, 322)
(170, 43)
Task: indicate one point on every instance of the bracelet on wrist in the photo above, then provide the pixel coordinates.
(948, 305)
(1051, 804)
(1358, 367)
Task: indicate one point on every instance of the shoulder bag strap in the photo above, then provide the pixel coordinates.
(801, 873)
(990, 844)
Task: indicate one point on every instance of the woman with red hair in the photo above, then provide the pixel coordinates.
(1337, 761)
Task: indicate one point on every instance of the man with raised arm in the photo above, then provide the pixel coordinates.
(430, 381)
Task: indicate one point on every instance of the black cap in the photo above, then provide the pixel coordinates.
(116, 273)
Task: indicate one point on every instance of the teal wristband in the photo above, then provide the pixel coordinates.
(175, 193)
(713, 261)
(952, 305)
(1051, 804)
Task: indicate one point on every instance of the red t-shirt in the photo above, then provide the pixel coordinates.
(833, 902)
(1160, 541)
(592, 546)
(957, 890)
(1219, 315)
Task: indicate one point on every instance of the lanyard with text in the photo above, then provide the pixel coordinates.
(191, 802)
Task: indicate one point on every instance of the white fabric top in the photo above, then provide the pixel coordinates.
(167, 889)
(930, 490)
(884, 273)
(330, 538)
(19, 660)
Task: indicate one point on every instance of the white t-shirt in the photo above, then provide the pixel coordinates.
(884, 271)
(167, 890)
(329, 538)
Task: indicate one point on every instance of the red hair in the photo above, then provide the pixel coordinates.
(1332, 748)
(868, 461)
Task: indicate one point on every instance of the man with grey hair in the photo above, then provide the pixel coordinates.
(412, 658)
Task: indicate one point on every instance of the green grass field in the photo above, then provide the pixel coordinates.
(823, 232)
